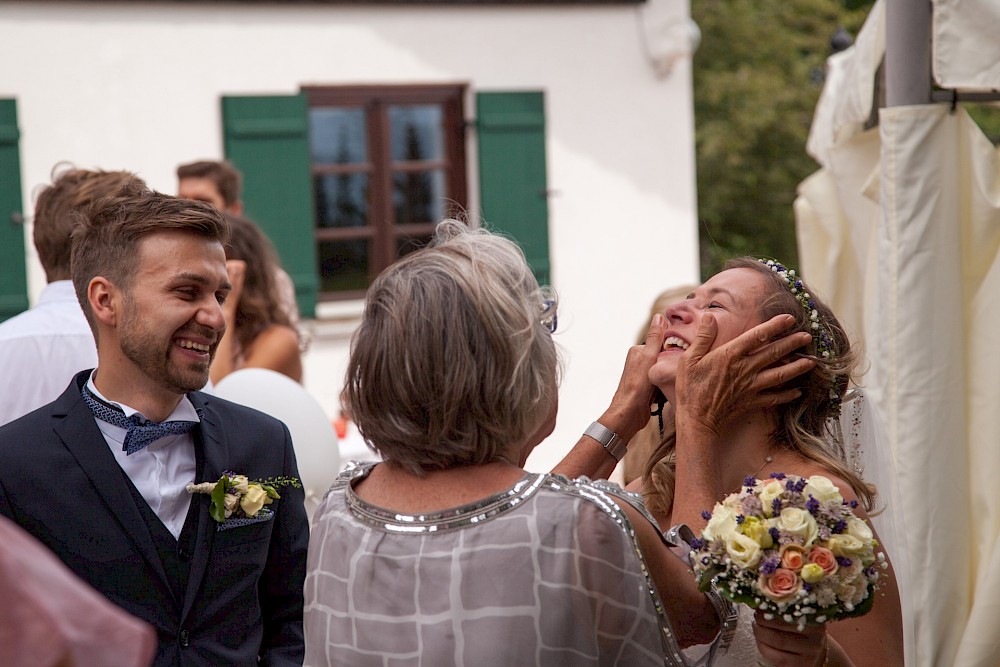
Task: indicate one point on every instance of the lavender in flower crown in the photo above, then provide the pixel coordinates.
(824, 341)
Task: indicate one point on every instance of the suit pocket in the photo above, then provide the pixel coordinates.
(249, 534)
(239, 552)
(239, 522)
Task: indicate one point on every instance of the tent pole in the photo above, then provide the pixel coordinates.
(907, 52)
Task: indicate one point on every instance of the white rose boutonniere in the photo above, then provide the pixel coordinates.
(240, 483)
(236, 495)
(254, 500)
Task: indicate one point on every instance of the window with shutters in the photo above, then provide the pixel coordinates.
(387, 163)
(345, 179)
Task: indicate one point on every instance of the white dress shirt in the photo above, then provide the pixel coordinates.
(42, 349)
(162, 470)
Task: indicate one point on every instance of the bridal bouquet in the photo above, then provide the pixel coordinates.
(791, 547)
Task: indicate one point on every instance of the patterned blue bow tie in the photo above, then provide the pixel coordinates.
(140, 432)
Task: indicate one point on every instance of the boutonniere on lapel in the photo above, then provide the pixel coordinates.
(236, 497)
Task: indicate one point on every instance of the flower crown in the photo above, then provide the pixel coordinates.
(821, 336)
(825, 345)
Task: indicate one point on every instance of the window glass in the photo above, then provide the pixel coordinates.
(337, 135)
(387, 162)
(418, 196)
(343, 265)
(341, 200)
(416, 132)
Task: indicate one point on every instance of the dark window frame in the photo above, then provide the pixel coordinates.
(382, 231)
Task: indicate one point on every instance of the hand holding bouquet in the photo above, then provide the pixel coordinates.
(792, 548)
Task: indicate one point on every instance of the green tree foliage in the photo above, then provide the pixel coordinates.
(987, 116)
(757, 77)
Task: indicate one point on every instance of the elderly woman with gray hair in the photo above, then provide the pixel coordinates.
(448, 552)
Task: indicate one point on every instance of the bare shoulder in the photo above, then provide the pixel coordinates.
(278, 334)
(276, 348)
(806, 468)
(276, 341)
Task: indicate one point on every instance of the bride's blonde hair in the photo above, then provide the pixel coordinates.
(803, 425)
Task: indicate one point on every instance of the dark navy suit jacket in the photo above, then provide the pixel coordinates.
(243, 601)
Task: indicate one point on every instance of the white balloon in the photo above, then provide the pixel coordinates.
(313, 436)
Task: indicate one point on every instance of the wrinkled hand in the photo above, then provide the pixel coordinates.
(782, 645)
(629, 409)
(714, 385)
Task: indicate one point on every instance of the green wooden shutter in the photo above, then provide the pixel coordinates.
(267, 138)
(13, 275)
(512, 183)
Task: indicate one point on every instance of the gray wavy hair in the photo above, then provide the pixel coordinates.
(453, 363)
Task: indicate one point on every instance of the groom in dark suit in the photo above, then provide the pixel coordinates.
(100, 474)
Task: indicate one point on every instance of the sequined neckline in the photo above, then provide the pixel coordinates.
(445, 520)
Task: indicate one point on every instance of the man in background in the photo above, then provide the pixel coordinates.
(221, 185)
(218, 183)
(44, 347)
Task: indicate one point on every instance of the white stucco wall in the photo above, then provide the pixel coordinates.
(137, 86)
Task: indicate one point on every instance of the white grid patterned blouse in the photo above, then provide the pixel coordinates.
(546, 573)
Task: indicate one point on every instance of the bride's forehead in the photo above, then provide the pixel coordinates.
(738, 281)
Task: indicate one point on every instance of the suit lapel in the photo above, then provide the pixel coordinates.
(214, 454)
(79, 433)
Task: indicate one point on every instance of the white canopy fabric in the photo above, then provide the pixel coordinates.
(900, 231)
(935, 251)
(846, 101)
(966, 51)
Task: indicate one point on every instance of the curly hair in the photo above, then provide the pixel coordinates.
(259, 306)
(801, 425)
(452, 364)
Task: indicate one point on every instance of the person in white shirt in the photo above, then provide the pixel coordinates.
(44, 347)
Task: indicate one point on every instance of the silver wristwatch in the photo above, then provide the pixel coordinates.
(608, 439)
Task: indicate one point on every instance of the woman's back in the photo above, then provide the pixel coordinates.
(544, 573)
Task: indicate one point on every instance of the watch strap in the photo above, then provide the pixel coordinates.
(608, 439)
